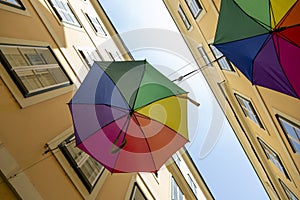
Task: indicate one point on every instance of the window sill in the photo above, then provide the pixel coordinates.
(25, 102)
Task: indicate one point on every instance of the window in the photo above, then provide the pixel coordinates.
(64, 12)
(13, 3)
(177, 160)
(248, 109)
(137, 193)
(176, 193)
(195, 7)
(292, 131)
(96, 24)
(222, 61)
(34, 69)
(89, 56)
(114, 57)
(204, 56)
(273, 157)
(192, 184)
(87, 169)
(288, 192)
(184, 18)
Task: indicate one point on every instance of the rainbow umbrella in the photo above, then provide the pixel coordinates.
(129, 117)
(262, 39)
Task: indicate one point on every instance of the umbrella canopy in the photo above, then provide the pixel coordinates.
(129, 117)
(261, 38)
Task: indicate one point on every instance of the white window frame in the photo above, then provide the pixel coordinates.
(176, 192)
(248, 110)
(54, 147)
(95, 23)
(41, 73)
(192, 184)
(273, 157)
(292, 132)
(13, 3)
(177, 159)
(194, 7)
(222, 61)
(137, 193)
(184, 17)
(82, 162)
(89, 56)
(64, 12)
(205, 57)
(288, 192)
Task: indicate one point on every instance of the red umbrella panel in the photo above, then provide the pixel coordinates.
(129, 117)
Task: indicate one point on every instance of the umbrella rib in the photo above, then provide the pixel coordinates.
(287, 39)
(254, 19)
(159, 100)
(145, 139)
(104, 104)
(278, 56)
(145, 117)
(104, 127)
(245, 38)
(126, 123)
(124, 99)
(137, 91)
(262, 46)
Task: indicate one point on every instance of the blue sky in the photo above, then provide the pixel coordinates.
(149, 33)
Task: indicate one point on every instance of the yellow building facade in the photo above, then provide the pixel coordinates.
(266, 122)
(46, 49)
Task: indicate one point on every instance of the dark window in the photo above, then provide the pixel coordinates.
(176, 193)
(248, 109)
(13, 3)
(184, 18)
(222, 61)
(96, 24)
(288, 192)
(192, 184)
(89, 56)
(88, 170)
(34, 69)
(195, 7)
(137, 193)
(273, 157)
(292, 132)
(64, 12)
(204, 56)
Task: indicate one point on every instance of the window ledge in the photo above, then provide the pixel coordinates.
(25, 102)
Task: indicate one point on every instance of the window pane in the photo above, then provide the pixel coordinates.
(194, 6)
(224, 64)
(176, 193)
(273, 157)
(34, 69)
(292, 132)
(14, 3)
(96, 24)
(65, 12)
(248, 110)
(204, 56)
(184, 18)
(288, 192)
(137, 194)
(85, 166)
(13, 56)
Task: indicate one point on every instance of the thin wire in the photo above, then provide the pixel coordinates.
(181, 78)
(195, 59)
(37, 162)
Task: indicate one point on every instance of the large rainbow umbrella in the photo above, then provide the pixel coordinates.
(129, 117)
(262, 39)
